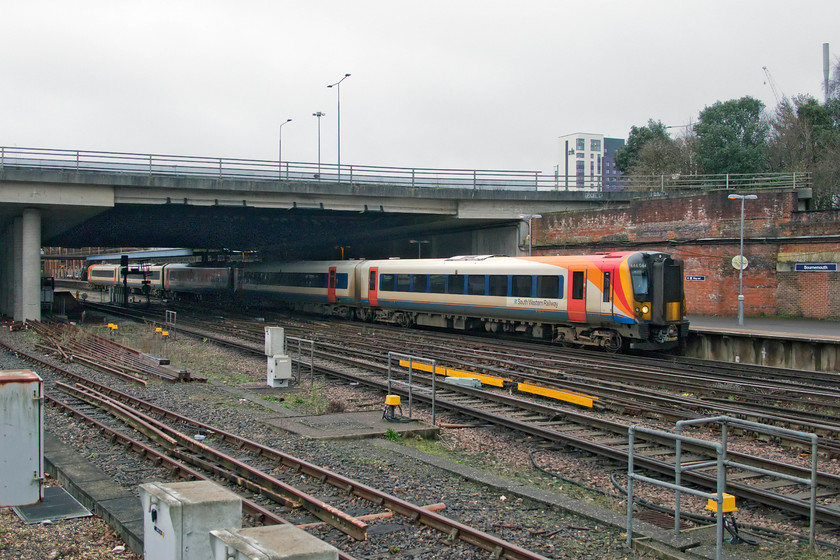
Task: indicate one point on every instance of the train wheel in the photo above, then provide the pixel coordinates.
(614, 343)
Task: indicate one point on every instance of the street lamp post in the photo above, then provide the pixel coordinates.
(319, 114)
(529, 217)
(280, 151)
(742, 198)
(338, 89)
(419, 243)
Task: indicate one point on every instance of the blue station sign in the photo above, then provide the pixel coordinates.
(696, 278)
(816, 267)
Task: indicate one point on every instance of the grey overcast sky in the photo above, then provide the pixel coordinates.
(439, 83)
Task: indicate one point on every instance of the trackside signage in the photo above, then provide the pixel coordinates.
(816, 267)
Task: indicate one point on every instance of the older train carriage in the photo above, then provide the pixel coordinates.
(104, 275)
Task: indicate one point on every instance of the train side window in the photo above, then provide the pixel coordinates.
(341, 281)
(372, 281)
(578, 278)
(548, 287)
(476, 285)
(386, 282)
(420, 283)
(607, 286)
(437, 283)
(498, 285)
(455, 284)
(403, 282)
(522, 286)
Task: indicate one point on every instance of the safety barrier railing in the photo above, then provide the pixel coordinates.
(411, 177)
(725, 422)
(716, 496)
(721, 464)
(411, 387)
(294, 348)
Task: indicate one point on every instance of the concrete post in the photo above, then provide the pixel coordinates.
(31, 264)
(6, 306)
(17, 278)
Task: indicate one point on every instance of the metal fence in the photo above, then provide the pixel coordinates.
(413, 177)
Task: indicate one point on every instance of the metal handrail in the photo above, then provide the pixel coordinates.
(221, 169)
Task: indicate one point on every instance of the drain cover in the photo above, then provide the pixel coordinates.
(655, 518)
(57, 504)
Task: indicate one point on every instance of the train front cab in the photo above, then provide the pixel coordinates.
(658, 288)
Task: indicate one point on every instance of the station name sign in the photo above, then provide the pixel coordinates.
(816, 267)
(696, 278)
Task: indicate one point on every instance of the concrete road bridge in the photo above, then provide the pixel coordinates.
(75, 198)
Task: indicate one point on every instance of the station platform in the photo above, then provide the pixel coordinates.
(805, 344)
(769, 327)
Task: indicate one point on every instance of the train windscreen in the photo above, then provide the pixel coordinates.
(639, 275)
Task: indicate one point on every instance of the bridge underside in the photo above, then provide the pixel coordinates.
(281, 233)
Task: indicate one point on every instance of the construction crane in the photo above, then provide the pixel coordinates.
(772, 84)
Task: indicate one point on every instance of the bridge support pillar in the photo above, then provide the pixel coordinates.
(7, 306)
(31, 264)
(20, 267)
(16, 269)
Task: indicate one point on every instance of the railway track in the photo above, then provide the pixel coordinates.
(597, 436)
(119, 417)
(622, 383)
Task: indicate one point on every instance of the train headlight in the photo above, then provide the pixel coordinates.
(645, 310)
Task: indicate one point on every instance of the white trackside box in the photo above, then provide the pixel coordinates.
(178, 518)
(21, 438)
(274, 542)
(279, 371)
(275, 341)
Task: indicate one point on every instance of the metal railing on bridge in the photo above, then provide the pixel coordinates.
(412, 177)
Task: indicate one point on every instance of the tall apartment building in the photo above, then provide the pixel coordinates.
(588, 161)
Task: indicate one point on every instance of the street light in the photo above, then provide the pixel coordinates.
(529, 217)
(741, 263)
(319, 114)
(420, 243)
(338, 89)
(280, 151)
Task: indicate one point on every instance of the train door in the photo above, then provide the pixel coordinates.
(605, 305)
(576, 298)
(373, 279)
(331, 285)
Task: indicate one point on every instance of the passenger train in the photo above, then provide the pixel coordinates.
(615, 300)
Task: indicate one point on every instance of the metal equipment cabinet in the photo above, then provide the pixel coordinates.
(178, 517)
(21, 438)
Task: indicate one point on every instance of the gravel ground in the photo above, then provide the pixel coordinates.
(554, 534)
(88, 538)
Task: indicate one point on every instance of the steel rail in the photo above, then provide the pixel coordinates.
(744, 491)
(168, 438)
(475, 537)
(175, 468)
